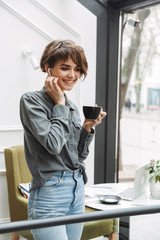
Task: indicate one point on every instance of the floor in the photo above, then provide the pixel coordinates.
(8, 236)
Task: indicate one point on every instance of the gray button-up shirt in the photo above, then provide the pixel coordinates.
(53, 137)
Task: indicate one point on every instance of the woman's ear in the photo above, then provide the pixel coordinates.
(46, 66)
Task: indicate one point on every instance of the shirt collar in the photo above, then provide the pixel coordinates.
(69, 103)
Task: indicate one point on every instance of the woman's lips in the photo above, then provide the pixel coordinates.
(68, 81)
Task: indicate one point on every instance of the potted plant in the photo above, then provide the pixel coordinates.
(154, 178)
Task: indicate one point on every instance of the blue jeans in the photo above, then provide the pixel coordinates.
(61, 195)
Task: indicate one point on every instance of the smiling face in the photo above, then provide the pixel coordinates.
(67, 73)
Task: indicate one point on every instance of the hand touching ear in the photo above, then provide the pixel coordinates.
(54, 90)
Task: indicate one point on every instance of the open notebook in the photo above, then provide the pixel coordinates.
(139, 187)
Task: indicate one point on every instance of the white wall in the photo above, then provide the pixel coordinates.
(31, 23)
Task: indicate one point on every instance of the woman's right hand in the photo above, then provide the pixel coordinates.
(54, 90)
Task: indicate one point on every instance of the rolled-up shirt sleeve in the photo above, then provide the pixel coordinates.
(84, 143)
(51, 131)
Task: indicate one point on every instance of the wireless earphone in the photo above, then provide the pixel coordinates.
(49, 71)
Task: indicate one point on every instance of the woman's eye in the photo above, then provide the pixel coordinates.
(78, 69)
(64, 69)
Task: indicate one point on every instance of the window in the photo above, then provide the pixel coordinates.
(139, 140)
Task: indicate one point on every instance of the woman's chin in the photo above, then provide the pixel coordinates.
(66, 88)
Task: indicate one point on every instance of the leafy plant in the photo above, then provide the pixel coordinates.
(154, 170)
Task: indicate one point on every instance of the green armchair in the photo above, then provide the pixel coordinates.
(18, 172)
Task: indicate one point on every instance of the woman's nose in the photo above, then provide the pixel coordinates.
(71, 74)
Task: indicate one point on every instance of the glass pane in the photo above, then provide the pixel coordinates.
(140, 91)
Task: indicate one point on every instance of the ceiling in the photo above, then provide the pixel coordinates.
(127, 5)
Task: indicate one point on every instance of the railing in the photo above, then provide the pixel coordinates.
(98, 215)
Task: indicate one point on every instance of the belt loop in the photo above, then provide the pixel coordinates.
(63, 173)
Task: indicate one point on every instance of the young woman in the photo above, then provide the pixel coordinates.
(55, 142)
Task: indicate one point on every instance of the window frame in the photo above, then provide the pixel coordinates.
(109, 16)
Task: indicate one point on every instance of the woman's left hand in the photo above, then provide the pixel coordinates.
(88, 124)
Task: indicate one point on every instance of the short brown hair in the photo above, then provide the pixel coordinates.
(58, 50)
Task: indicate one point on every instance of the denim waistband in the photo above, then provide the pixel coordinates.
(70, 173)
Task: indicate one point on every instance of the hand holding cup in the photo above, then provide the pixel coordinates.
(93, 116)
